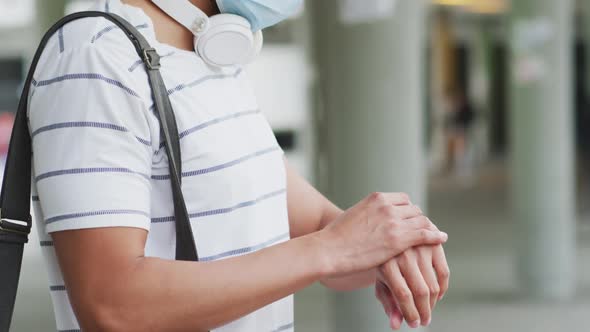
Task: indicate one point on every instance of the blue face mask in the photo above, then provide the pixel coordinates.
(261, 13)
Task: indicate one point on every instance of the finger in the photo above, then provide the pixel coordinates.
(419, 288)
(396, 318)
(439, 261)
(419, 222)
(391, 307)
(426, 268)
(420, 237)
(408, 212)
(391, 198)
(400, 290)
(382, 294)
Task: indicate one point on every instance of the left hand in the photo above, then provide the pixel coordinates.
(409, 285)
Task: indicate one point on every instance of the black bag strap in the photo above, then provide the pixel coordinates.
(15, 199)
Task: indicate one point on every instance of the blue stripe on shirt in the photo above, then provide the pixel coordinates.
(60, 35)
(284, 327)
(76, 171)
(224, 210)
(87, 124)
(222, 166)
(78, 124)
(201, 80)
(87, 76)
(214, 122)
(110, 28)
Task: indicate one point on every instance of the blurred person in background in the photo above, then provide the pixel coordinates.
(460, 145)
(104, 207)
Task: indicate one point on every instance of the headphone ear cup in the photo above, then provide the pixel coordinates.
(228, 41)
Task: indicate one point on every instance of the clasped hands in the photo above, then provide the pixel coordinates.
(386, 232)
(409, 285)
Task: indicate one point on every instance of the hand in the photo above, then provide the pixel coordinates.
(409, 285)
(375, 230)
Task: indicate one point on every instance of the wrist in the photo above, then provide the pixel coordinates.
(321, 255)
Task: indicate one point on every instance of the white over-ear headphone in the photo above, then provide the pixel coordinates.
(220, 40)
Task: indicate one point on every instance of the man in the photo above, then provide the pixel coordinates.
(104, 205)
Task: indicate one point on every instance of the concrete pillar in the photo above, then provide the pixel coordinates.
(371, 123)
(543, 149)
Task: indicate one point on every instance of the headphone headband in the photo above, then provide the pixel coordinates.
(185, 13)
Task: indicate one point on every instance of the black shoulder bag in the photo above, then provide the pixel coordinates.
(15, 200)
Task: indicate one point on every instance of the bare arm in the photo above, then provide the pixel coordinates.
(114, 287)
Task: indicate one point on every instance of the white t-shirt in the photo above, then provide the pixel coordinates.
(98, 160)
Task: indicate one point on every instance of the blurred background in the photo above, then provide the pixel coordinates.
(478, 108)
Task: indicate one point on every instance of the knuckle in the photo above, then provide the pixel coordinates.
(423, 234)
(377, 197)
(424, 220)
(392, 236)
(387, 271)
(393, 233)
(417, 210)
(444, 273)
(407, 256)
(422, 292)
(388, 211)
(402, 294)
(405, 197)
(434, 291)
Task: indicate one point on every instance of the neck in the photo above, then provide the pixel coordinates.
(169, 31)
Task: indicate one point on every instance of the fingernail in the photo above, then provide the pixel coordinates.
(392, 325)
(440, 297)
(414, 324)
(428, 322)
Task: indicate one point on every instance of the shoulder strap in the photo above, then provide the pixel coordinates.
(15, 199)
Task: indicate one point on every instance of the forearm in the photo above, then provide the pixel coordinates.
(161, 295)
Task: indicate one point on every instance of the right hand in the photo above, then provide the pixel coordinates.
(375, 230)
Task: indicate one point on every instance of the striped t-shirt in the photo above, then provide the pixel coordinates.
(98, 160)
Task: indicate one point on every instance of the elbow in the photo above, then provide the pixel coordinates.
(101, 317)
(107, 310)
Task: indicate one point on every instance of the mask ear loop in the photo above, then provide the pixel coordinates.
(258, 44)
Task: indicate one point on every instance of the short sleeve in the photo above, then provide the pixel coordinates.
(92, 146)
